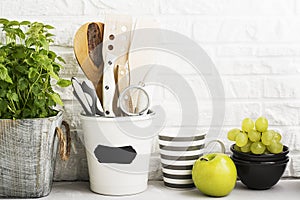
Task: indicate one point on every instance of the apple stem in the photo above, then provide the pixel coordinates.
(204, 159)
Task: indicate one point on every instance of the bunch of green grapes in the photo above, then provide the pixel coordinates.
(255, 137)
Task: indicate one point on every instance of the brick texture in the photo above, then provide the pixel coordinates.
(254, 44)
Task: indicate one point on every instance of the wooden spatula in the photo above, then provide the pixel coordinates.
(116, 42)
(139, 57)
(88, 52)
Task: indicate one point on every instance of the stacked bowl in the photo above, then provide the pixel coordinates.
(260, 171)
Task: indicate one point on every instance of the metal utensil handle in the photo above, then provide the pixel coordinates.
(79, 94)
(90, 91)
(89, 96)
(122, 97)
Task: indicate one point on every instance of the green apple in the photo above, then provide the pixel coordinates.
(214, 174)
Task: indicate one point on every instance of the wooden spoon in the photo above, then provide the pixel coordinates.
(88, 52)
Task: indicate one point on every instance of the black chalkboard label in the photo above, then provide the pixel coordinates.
(117, 155)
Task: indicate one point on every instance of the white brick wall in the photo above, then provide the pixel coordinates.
(255, 45)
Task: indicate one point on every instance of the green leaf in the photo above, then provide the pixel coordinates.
(49, 35)
(12, 96)
(4, 85)
(20, 53)
(27, 113)
(44, 43)
(15, 97)
(20, 33)
(43, 112)
(4, 74)
(33, 112)
(52, 55)
(13, 23)
(50, 102)
(36, 90)
(40, 103)
(44, 53)
(23, 84)
(53, 75)
(61, 59)
(29, 61)
(64, 83)
(29, 42)
(50, 41)
(58, 66)
(22, 69)
(43, 60)
(3, 105)
(25, 23)
(2, 93)
(56, 98)
(33, 73)
(49, 27)
(10, 33)
(52, 112)
(3, 21)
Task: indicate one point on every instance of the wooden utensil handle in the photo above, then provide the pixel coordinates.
(109, 86)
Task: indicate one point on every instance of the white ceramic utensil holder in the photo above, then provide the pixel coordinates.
(118, 159)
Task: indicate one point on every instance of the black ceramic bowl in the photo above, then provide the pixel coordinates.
(260, 175)
(260, 158)
(286, 159)
(259, 161)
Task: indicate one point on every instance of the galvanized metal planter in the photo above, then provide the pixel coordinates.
(28, 150)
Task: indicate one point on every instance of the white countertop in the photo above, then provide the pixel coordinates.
(285, 189)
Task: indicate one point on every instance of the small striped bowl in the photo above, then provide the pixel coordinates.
(178, 155)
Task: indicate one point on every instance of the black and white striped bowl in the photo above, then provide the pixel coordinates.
(178, 155)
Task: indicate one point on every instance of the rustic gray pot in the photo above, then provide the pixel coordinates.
(27, 156)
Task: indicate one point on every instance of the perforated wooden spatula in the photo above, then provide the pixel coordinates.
(116, 42)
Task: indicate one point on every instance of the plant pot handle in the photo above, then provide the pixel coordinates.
(64, 142)
(216, 141)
